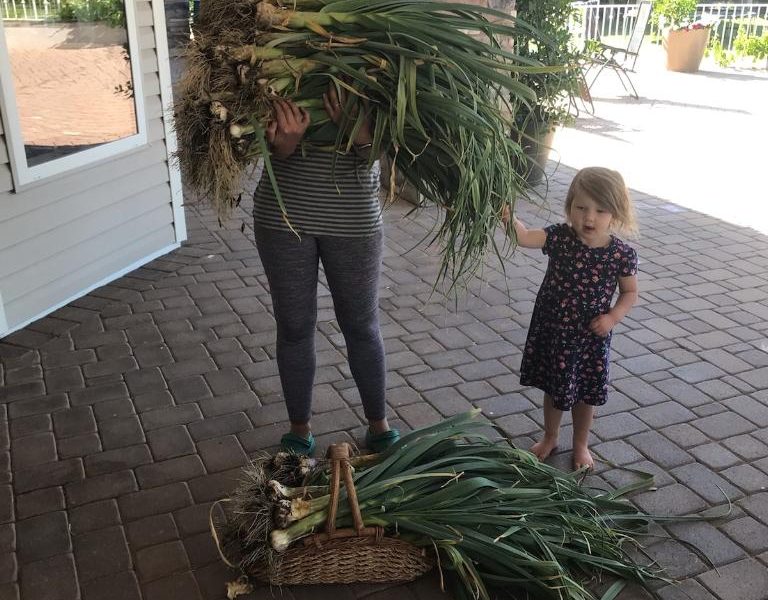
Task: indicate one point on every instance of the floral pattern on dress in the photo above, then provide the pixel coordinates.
(562, 356)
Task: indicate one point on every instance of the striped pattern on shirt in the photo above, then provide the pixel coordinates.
(320, 198)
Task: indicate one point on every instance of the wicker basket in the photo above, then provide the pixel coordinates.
(351, 555)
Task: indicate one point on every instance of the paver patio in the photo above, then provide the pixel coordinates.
(124, 415)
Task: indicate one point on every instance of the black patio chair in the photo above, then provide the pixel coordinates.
(620, 60)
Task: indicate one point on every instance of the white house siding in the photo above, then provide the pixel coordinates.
(61, 237)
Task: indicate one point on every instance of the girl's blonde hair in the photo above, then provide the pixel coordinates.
(607, 189)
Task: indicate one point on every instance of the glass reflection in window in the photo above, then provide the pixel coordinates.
(71, 72)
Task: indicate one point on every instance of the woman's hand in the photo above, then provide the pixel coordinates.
(285, 131)
(334, 105)
(602, 325)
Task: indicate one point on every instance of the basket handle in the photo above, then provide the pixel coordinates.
(340, 468)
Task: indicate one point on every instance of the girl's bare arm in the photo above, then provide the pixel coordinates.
(627, 298)
(603, 324)
(529, 238)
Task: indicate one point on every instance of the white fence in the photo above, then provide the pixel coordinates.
(597, 21)
(28, 10)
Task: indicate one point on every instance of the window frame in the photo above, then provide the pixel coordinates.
(25, 175)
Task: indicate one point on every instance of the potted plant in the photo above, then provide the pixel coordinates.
(684, 37)
(555, 89)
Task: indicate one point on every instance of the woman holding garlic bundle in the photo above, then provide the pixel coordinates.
(331, 201)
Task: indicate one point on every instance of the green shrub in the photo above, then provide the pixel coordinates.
(88, 11)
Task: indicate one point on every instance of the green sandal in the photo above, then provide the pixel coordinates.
(297, 444)
(378, 442)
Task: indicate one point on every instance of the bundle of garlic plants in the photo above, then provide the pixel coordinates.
(434, 80)
(500, 521)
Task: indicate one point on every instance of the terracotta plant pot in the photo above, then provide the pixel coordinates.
(685, 49)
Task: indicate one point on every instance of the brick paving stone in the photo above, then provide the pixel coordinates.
(209, 580)
(618, 452)
(448, 401)
(706, 483)
(518, 425)
(65, 379)
(743, 580)
(47, 475)
(679, 561)
(74, 421)
(194, 519)
(718, 389)
(50, 579)
(53, 360)
(37, 406)
(747, 447)
(169, 471)
(151, 531)
(757, 506)
(121, 586)
(22, 390)
(91, 395)
(684, 435)
(725, 360)
(444, 359)
(678, 496)
(746, 477)
(129, 457)
(152, 401)
(96, 515)
(160, 561)
(476, 390)
(748, 533)
(707, 410)
(201, 550)
(215, 486)
(723, 425)
(154, 501)
(261, 438)
(220, 454)
(708, 540)
(110, 367)
(180, 586)
(697, 372)
(433, 379)
(112, 409)
(665, 413)
(121, 432)
(238, 402)
(170, 442)
(505, 404)
(685, 590)
(23, 375)
(639, 391)
(714, 456)
(644, 364)
(481, 371)
(8, 569)
(30, 425)
(101, 553)
(39, 502)
(419, 415)
(42, 536)
(620, 425)
(749, 408)
(100, 487)
(757, 378)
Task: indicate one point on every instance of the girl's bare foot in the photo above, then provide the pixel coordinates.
(582, 457)
(543, 448)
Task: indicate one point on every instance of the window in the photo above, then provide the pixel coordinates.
(71, 84)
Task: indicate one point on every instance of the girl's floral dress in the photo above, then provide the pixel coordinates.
(562, 356)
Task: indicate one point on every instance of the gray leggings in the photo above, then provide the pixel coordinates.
(352, 266)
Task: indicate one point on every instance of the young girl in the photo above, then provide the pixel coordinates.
(566, 353)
